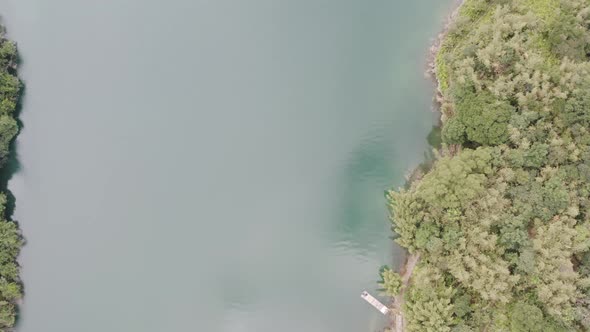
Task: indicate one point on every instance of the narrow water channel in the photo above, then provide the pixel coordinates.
(193, 165)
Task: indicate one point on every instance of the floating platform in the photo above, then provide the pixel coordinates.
(375, 303)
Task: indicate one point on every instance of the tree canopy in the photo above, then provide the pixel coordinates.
(502, 223)
(10, 237)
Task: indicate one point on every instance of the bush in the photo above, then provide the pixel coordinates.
(485, 119)
(454, 131)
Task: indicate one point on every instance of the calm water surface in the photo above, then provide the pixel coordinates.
(194, 165)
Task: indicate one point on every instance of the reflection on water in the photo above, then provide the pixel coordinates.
(371, 166)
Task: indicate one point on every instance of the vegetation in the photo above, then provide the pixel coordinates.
(10, 237)
(391, 282)
(502, 219)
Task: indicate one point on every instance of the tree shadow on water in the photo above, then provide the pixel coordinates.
(372, 169)
(368, 173)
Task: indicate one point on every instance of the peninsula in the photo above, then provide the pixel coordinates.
(498, 227)
(10, 237)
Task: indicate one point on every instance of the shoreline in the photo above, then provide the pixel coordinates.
(436, 45)
(11, 287)
(397, 321)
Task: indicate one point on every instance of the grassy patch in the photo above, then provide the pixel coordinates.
(547, 10)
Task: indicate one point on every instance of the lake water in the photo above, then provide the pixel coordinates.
(200, 165)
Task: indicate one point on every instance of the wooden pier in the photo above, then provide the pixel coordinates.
(375, 303)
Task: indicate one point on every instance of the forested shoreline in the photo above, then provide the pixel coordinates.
(501, 220)
(10, 237)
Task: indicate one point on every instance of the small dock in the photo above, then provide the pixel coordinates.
(375, 303)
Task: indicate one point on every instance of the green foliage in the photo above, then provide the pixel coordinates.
(453, 182)
(7, 314)
(485, 119)
(8, 130)
(568, 35)
(454, 131)
(10, 238)
(503, 223)
(10, 86)
(546, 10)
(8, 54)
(405, 214)
(10, 289)
(391, 282)
(576, 109)
(428, 303)
(525, 318)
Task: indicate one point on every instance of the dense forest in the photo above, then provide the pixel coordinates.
(501, 220)
(10, 238)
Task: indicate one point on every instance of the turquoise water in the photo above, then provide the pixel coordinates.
(214, 165)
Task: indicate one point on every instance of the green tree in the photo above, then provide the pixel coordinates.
(454, 182)
(428, 303)
(525, 318)
(485, 119)
(391, 282)
(10, 238)
(454, 131)
(8, 130)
